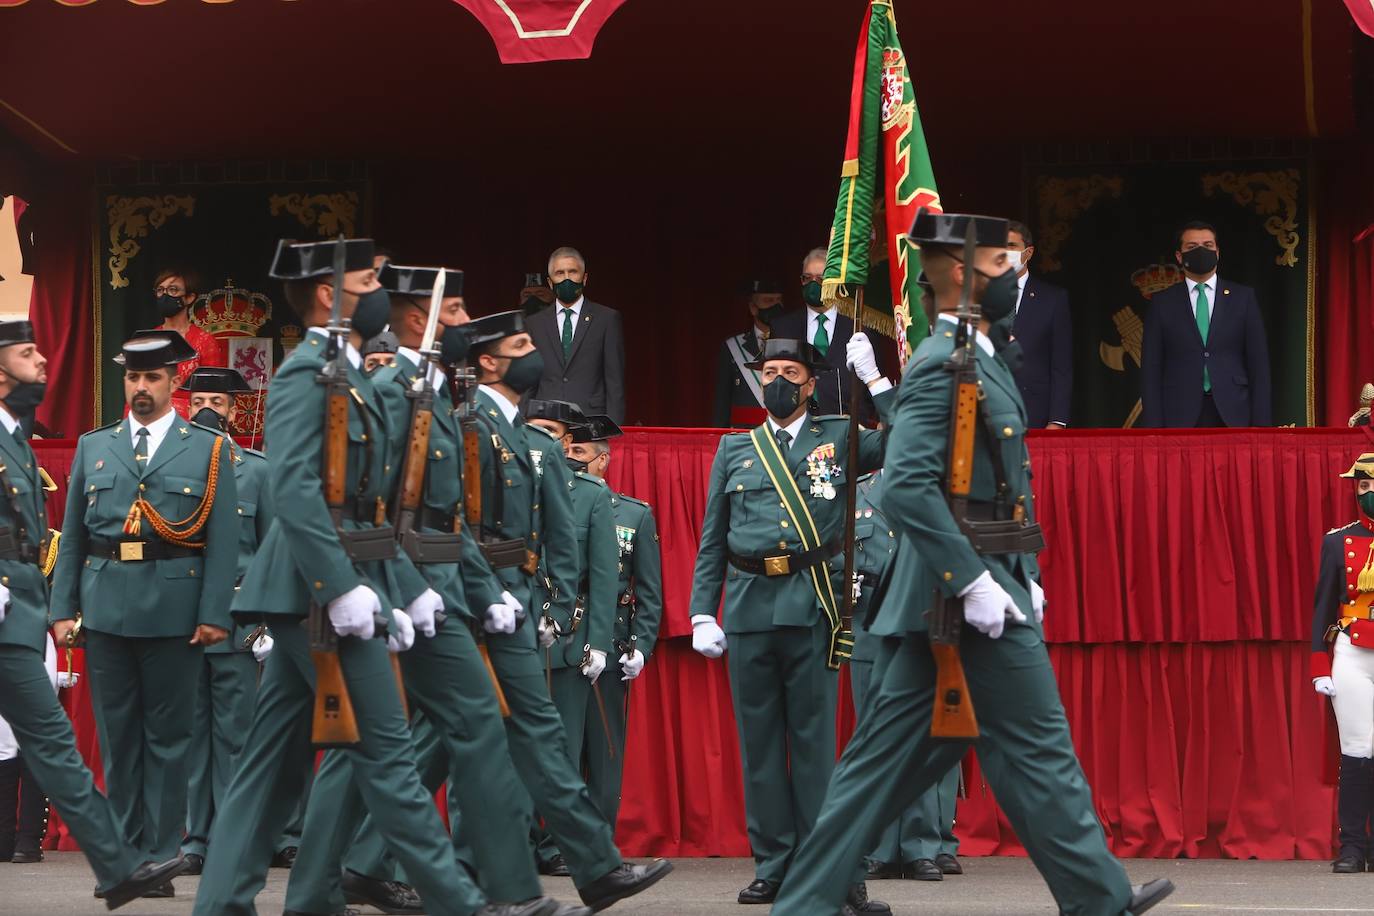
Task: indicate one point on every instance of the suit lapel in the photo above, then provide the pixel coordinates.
(173, 444)
(580, 331)
(123, 448)
(548, 337)
(19, 462)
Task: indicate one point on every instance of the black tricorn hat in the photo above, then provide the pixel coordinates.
(932, 228)
(599, 428)
(419, 281)
(765, 285)
(302, 260)
(154, 349)
(15, 332)
(383, 342)
(799, 351)
(216, 379)
(495, 327)
(565, 412)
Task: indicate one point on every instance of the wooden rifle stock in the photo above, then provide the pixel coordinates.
(333, 723)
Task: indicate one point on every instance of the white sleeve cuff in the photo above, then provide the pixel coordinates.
(702, 618)
(879, 386)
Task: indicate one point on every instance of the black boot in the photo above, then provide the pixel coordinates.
(1353, 800)
(33, 818)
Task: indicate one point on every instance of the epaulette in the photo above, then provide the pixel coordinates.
(209, 429)
(630, 499)
(583, 475)
(534, 428)
(253, 451)
(101, 429)
(1340, 528)
(830, 416)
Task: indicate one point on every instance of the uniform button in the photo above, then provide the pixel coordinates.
(186, 489)
(438, 453)
(891, 534)
(1351, 554)
(4, 580)
(782, 545)
(386, 469)
(319, 584)
(1006, 431)
(142, 486)
(1348, 541)
(565, 378)
(783, 523)
(509, 482)
(240, 510)
(1349, 569)
(534, 535)
(738, 486)
(191, 572)
(364, 437)
(949, 576)
(1206, 355)
(88, 562)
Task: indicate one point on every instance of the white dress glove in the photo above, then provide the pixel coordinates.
(1037, 601)
(401, 635)
(516, 607)
(4, 602)
(65, 680)
(859, 354)
(421, 611)
(707, 636)
(1324, 685)
(987, 606)
(546, 633)
(632, 664)
(262, 647)
(500, 618)
(351, 613)
(596, 664)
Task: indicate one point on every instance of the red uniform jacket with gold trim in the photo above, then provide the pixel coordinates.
(1345, 551)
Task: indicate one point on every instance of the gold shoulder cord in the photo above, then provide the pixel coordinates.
(178, 533)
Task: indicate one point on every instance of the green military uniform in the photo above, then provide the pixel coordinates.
(639, 608)
(303, 560)
(456, 726)
(1025, 747)
(926, 829)
(779, 638)
(140, 614)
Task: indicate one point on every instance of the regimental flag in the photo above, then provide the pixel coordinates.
(885, 178)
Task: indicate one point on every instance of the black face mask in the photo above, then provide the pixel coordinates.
(168, 306)
(1200, 261)
(524, 372)
(575, 465)
(782, 397)
(208, 416)
(999, 296)
(567, 291)
(769, 315)
(532, 304)
(23, 401)
(453, 345)
(811, 293)
(372, 313)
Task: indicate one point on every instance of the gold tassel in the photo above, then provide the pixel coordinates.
(132, 522)
(1365, 582)
(835, 292)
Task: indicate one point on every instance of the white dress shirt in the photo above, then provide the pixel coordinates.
(414, 357)
(508, 410)
(1211, 284)
(11, 424)
(980, 339)
(355, 359)
(793, 428)
(812, 325)
(1020, 291)
(157, 431)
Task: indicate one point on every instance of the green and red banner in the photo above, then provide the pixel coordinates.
(885, 179)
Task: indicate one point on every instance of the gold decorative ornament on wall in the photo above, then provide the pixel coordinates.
(1273, 195)
(130, 219)
(327, 214)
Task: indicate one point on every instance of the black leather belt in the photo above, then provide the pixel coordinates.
(134, 551)
(786, 562)
(11, 548)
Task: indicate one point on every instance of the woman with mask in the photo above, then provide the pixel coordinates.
(176, 291)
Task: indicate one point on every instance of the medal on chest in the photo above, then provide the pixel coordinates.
(823, 470)
(537, 461)
(625, 540)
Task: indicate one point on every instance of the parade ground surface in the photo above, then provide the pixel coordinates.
(697, 887)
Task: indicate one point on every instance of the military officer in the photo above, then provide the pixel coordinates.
(639, 608)
(229, 669)
(526, 504)
(27, 701)
(1025, 747)
(457, 726)
(379, 351)
(147, 558)
(1343, 668)
(774, 518)
(920, 843)
(340, 561)
(582, 641)
(739, 393)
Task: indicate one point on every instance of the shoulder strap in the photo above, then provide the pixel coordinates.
(751, 378)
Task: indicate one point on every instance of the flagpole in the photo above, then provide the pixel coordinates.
(851, 486)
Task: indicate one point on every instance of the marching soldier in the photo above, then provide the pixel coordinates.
(457, 726)
(342, 560)
(639, 608)
(582, 642)
(920, 843)
(27, 701)
(526, 504)
(147, 558)
(1345, 672)
(1025, 749)
(739, 392)
(774, 518)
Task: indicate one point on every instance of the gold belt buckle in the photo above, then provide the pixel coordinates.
(130, 550)
(777, 566)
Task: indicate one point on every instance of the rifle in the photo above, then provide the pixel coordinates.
(952, 716)
(334, 723)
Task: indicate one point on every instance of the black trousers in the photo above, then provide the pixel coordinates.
(23, 809)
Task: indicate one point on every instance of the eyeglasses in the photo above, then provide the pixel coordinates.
(169, 291)
(812, 278)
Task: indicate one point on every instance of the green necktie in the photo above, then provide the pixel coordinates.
(822, 342)
(567, 332)
(1204, 323)
(141, 450)
(784, 441)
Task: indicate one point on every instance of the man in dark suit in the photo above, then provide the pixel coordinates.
(1044, 329)
(582, 343)
(1204, 360)
(825, 329)
(739, 392)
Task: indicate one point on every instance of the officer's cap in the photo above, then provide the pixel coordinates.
(1363, 468)
(565, 412)
(154, 349)
(216, 380)
(419, 281)
(933, 228)
(599, 428)
(798, 351)
(15, 332)
(385, 342)
(761, 286)
(495, 327)
(302, 260)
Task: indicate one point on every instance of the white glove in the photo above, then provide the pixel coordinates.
(596, 664)
(421, 611)
(65, 680)
(707, 636)
(500, 618)
(4, 602)
(1324, 685)
(546, 634)
(987, 606)
(859, 354)
(401, 634)
(351, 613)
(262, 647)
(1037, 601)
(632, 663)
(516, 607)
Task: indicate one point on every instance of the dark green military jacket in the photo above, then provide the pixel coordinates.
(598, 573)
(744, 515)
(152, 598)
(302, 560)
(255, 512)
(641, 577)
(933, 554)
(26, 623)
(875, 544)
